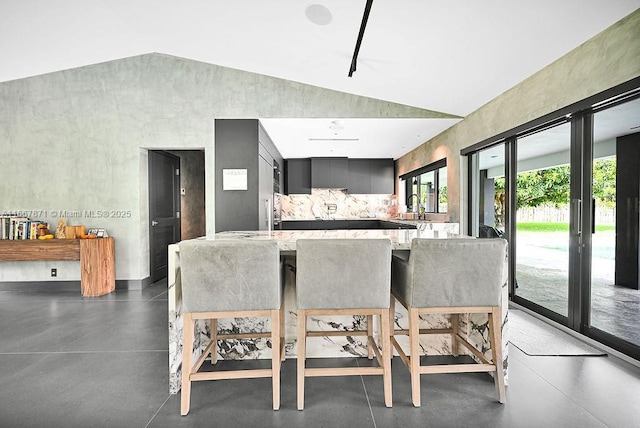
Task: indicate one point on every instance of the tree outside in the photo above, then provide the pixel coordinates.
(551, 187)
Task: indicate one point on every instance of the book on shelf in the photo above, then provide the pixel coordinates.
(19, 228)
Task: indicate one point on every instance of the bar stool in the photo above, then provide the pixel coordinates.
(344, 277)
(450, 276)
(230, 279)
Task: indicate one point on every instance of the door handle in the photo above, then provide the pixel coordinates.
(577, 217)
(154, 223)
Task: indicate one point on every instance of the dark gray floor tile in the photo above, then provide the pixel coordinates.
(117, 376)
(469, 399)
(86, 390)
(329, 402)
(14, 367)
(36, 326)
(138, 326)
(603, 385)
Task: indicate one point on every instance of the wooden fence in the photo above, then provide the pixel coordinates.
(551, 214)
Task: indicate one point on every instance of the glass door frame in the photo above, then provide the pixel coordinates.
(580, 115)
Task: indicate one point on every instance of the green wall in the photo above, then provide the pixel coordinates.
(77, 140)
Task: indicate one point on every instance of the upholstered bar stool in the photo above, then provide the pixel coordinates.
(450, 276)
(230, 279)
(344, 277)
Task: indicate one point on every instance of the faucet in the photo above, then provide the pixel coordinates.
(416, 208)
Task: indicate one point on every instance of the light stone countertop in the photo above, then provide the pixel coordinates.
(400, 238)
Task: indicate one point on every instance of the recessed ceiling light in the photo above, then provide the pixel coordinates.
(318, 14)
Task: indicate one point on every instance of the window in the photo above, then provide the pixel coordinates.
(426, 188)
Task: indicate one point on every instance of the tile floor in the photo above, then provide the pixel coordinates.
(66, 361)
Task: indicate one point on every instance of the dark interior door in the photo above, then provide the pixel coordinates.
(164, 209)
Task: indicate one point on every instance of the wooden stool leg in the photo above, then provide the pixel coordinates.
(214, 339)
(392, 320)
(369, 335)
(302, 349)
(275, 357)
(282, 332)
(495, 338)
(455, 322)
(386, 361)
(414, 347)
(187, 357)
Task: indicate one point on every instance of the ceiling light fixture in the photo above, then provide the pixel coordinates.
(363, 25)
(334, 139)
(318, 14)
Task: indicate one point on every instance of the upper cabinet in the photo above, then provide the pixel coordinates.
(357, 176)
(330, 173)
(297, 176)
(383, 177)
(374, 176)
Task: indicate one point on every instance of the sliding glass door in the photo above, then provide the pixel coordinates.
(615, 257)
(566, 195)
(542, 218)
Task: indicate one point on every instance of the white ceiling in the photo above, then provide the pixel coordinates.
(451, 57)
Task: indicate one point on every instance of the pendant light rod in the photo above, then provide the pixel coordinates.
(363, 25)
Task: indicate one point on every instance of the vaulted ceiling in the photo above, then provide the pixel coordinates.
(450, 57)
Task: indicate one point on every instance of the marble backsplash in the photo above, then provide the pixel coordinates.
(329, 204)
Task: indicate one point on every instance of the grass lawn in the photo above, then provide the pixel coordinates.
(556, 227)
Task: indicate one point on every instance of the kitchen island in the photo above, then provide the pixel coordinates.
(474, 326)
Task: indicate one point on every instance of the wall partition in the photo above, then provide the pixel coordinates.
(565, 192)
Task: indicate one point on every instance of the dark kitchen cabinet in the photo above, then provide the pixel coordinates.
(298, 225)
(243, 144)
(359, 176)
(315, 225)
(329, 173)
(297, 176)
(364, 224)
(342, 224)
(371, 176)
(382, 176)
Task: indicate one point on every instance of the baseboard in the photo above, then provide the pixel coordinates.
(121, 284)
(133, 284)
(40, 285)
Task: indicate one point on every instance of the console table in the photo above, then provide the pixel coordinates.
(96, 256)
